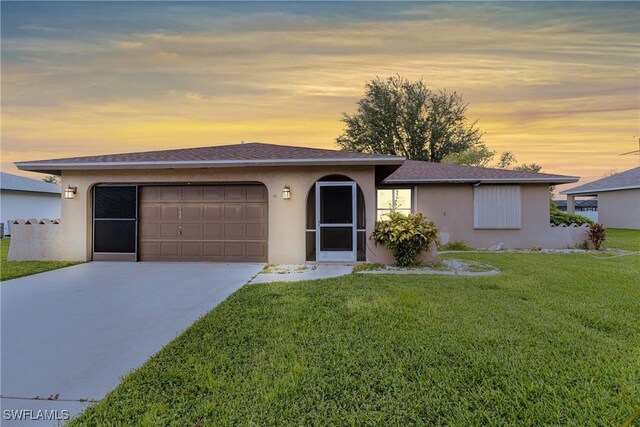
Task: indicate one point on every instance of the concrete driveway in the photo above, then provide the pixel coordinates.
(71, 334)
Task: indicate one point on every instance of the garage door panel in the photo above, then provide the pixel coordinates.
(234, 249)
(149, 248)
(149, 231)
(191, 249)
(256, 231)
(169, 249)
(225, 223)
(235, 193)
(212, 231)
(256, 211)
(191, 194)
(192, 212)
(256, 193)
(212, 212)
(169, 230)
(213, 193)
(170, 212)
(234, 212)
(191, 231)
(150, 194)
(212, 249)
(170, 194)
(151, 212)
(234, 231)
(257, 250)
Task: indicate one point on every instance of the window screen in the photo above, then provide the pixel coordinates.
(497, 207)
(115, 236)
(115, 202)
(114, 225)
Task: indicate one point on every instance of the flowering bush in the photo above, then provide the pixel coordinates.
(405, 236)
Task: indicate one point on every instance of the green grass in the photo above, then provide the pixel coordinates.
(553, 340)
(14, 269)
(620, 238)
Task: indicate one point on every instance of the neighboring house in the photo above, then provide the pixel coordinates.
(618, 199)
(25, 198)
(587, 208)
(281, 204)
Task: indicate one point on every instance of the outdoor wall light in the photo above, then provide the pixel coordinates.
(70, 192)
(286, 193)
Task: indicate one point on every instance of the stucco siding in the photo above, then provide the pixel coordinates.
(25, 205)
(619, 209)
(286, 217)
(450, 207)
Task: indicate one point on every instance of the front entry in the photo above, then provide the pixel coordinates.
(336, 232)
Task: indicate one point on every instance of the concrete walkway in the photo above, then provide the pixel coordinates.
(70, 334)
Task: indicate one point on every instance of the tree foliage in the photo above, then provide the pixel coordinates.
(405, 118)
(52, 179)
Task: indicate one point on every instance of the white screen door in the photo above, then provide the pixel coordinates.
(336, 221)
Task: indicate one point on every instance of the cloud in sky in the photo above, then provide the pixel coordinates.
(557, 83)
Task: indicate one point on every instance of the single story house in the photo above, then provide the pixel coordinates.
(282, 204)
(25, 198)
(618, 199)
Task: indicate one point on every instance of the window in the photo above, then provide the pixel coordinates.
(393, 200)
(497, 207)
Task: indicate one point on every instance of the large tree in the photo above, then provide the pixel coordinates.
(405, 118)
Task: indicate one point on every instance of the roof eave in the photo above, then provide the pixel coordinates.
(31, 191)
(558, 180)
(51, 167)
(594, 192)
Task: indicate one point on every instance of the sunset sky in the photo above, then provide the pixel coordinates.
(556, 83)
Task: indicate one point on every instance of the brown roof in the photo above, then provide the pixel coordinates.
(249, 154)
(259, 154)
(414, 172)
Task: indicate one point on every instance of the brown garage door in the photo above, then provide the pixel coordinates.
(203, 223)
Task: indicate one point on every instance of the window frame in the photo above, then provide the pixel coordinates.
(412, 197)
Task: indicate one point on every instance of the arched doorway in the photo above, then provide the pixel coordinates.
(336, 228)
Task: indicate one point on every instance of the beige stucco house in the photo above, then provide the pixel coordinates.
(618, 199)
(281, 204)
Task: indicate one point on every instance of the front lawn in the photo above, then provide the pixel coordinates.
(620, 238)
(553, 340)
(14, 269)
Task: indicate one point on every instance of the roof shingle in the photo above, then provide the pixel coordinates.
(20, 183)
(249, 153)
(626, 180)
(414, 171)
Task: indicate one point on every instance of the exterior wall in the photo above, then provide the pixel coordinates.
(287, 218)
(35, 241)
(25, 204)
(619, 209)
(450, 207)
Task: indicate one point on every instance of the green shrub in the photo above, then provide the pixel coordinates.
(456, 245)
(557, 217)
(597, 235)
(405, 236)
